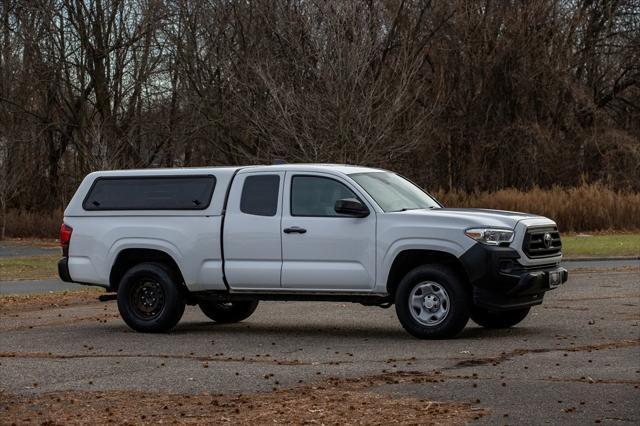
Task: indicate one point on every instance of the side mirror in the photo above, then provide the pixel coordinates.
(351, 207)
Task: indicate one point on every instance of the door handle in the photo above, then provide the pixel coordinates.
(294, 230)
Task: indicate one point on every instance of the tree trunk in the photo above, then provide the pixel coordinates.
(4, 220)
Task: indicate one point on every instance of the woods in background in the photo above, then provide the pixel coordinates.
(460, 95)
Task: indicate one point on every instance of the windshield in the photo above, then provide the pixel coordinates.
(392, 192)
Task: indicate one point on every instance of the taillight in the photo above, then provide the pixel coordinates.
(65, 238)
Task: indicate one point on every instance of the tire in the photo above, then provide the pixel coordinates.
(228, 312)
(498, 319)
(443, 308)
(149, 299)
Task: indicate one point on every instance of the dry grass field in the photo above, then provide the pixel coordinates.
(579, 209)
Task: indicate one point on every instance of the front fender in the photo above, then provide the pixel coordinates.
(433, 244)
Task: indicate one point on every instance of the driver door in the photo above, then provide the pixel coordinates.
(321, 249)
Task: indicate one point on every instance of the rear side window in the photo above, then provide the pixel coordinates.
(260, 195)
(151, 193)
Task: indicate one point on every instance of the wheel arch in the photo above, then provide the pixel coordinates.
(410, 258)
(131, 256)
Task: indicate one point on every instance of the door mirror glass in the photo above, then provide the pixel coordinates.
(351, 207)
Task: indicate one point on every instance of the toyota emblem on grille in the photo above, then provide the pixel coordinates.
(547, 240)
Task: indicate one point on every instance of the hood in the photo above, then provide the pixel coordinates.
(474, 217)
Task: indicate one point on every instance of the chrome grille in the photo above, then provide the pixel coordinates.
(534, 244)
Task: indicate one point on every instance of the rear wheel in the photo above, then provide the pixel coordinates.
(432, 302)
(228, 312)
(498, 319)
(149, 299)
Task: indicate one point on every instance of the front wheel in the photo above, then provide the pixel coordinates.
(228, 312)
(498, 319)
(149, 299)
(432, 302)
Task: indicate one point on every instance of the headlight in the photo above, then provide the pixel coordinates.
(490, 236)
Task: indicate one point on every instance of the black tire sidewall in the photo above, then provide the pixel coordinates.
(459, 296)
(174, 303)
(237, 312)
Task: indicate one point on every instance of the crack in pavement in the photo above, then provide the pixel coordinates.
(569, 308)
(201, 358)
(591, 380)
(583, 379)
(505, 356)
(495, 360)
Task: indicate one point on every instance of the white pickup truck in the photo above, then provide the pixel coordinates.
(226, 237)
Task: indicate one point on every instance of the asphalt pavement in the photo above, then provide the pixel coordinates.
(573, 360)
(37, 286)
(12, 249)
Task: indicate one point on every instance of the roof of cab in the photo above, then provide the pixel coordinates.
(313, 167)
(308, 167)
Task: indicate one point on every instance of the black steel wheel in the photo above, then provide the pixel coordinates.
(146, 298)
(149, 299)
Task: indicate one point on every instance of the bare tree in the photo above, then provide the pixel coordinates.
(460, 94)
(12, 180)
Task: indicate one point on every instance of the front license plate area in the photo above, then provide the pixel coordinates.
(555, 279)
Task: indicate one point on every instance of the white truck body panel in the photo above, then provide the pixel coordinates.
(335, 254)
(252, 244)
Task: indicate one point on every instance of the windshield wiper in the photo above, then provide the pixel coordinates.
(404, 209)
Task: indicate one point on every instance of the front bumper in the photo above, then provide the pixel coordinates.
(501, 283)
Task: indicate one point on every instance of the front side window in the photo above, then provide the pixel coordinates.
(150, 193)
(317, 196)
(260, 195)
